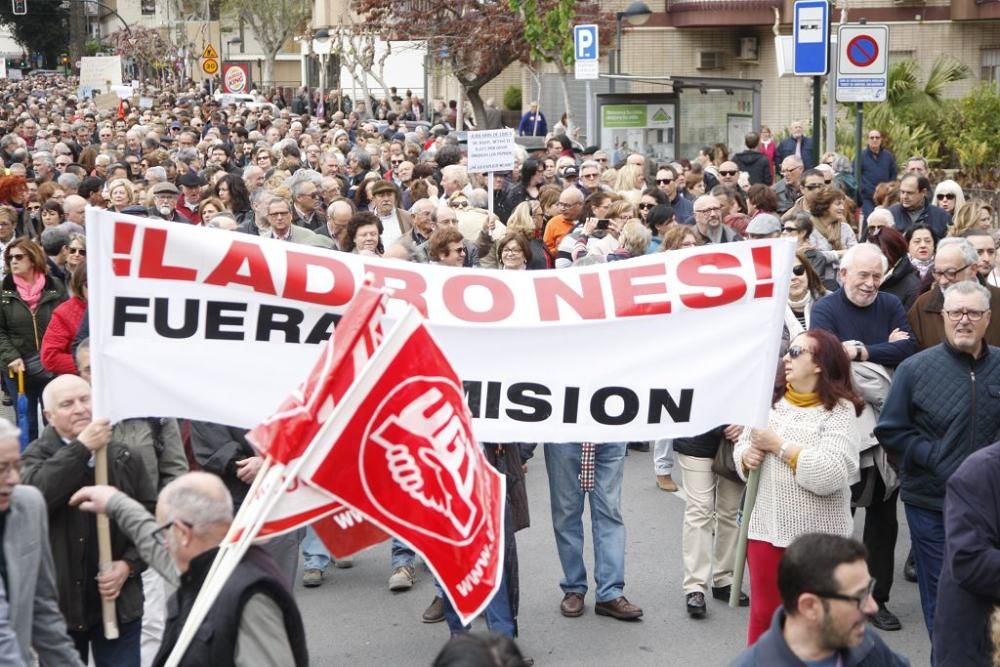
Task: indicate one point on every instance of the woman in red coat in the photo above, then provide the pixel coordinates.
(57, 343)
(767, 147)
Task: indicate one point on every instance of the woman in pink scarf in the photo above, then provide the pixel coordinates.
(28, 296)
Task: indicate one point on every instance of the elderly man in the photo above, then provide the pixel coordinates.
(338, 215)
(396, 222)
(254, 621)
(708, 221)
(253, 176)
(279, 218)
(879, 217)
(165, 203)
(872, 326)
(826, 599)
(878, 165)
(58, 464)
(308, 209)
(787, 188)
(29, 576)
(570, 207)
(941, 408)
(446, 217)
(796, 145)
(956, 260)
(914, 207)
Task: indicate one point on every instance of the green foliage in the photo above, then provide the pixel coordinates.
(512, 98)
(912, 102)
(91, 47)
(44, 29)
(548, 29)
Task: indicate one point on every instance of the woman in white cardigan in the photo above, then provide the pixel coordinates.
(807, 455)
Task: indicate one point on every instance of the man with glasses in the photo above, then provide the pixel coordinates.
(878, 165)
(279, 218)
(570, 207)
(914, 207)
(955, 261)
(787, 188)
(590, 178)
(667, 182)
(255, 617)
(826, 599)
(812, 182)
(729, 174)
(29, 577)
(873, 328)
(941, 409)
(57, 465)
(708, 222)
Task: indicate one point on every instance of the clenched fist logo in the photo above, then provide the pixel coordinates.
(427, 448)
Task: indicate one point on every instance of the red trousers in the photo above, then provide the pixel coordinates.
(763, 559)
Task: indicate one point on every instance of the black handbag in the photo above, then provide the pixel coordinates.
(723, 463)
(35, 372)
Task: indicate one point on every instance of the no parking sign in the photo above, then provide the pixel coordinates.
(862, 68)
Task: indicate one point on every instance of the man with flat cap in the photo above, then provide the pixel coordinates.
(191, 183)
(164, 206)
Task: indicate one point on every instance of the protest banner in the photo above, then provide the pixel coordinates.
(603, 353)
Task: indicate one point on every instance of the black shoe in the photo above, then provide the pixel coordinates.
(695, 604)
(639, 446)
(885, 619)
(910, 568)
(723, 593)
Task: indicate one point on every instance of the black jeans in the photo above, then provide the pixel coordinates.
(881, 529)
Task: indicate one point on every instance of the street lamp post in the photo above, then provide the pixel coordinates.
(321, 46)
(636, 14)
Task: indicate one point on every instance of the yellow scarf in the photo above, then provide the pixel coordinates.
(801, 400)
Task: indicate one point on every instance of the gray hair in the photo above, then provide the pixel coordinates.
(968, 288)
(851, 256)
(186, 155)
(195, 505)
(884, 213)
(156, 175)
(69, 182)
(8, 431)
(363, 158)
(969, 253)
(302, 176)
(479, 198)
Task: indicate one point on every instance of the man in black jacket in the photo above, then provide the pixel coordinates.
(59, 463)
(753, 161)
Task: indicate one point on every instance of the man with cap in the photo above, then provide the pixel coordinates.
(191, 183)
(764, 226)
(164, 206)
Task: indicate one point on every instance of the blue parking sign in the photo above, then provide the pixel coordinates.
(585, 42)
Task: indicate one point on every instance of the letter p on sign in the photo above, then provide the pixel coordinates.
(585, 40)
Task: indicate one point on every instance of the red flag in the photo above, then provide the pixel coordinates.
(346, 532)
(400, 450)
(284, 435)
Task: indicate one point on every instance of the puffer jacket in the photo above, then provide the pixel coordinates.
(943, 406)
(21, 331)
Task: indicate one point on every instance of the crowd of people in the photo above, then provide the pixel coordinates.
(886, 388)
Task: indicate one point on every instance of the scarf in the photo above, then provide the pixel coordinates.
(922, 265)
(31, 293)
(801, 400)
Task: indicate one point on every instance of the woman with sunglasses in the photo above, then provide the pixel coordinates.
(948, 195)
(804, 290)
(77, 250)
(651, 197)
(807, 456)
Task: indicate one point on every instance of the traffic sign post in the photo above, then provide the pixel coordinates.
(862, 63)
(812, 38)
(587, 65)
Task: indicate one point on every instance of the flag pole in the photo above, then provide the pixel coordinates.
(108, 612)
(749, 500)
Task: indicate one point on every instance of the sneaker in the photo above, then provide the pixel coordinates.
(402, 578)
(344, 563)
(434, 612)
(312, 578)
(666, 483)
(885, 619)
(695, 603)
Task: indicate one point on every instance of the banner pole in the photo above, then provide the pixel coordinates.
(108, 613)
(749, 500)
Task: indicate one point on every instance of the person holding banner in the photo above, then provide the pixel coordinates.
(254, 621)
(807, 455)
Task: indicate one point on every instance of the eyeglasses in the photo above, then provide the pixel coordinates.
(78, 251)
(279, 214)
(950, 274)
(459, 204)
(160, 534)
(858, 600)
(790, 230)
(457, 251)
(589, 176)
(646, 207)
(813, 186)
(790, 171)
(973, 315)
(713, 209)
(945, 195)
(727, 172)
(796, 351)
(665, 181)
(874, 136)
(512, 251)
(563, 204)
(799, 269)
(15, 258)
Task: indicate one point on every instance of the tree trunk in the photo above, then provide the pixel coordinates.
(564, 84)
(268, 73)
(478, 107)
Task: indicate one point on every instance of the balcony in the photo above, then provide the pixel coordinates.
(721, 13)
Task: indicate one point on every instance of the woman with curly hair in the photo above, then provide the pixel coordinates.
(831, 236)
(233, 193)
(14, 193)
(974, 214)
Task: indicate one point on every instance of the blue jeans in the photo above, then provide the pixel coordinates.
(927, 535)
(499, 618)
(121, 652)
(401, 554)
(314, 553)
(562, 462)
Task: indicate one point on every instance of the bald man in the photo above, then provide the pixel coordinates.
(254, 621)
(59, 463)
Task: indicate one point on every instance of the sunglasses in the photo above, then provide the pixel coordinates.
(727, 173)
(395, 162)
(14, 257)
(78, 251)
(664, 181)
(945, 195)
(799, 270)
(646, 207)
(795, 351)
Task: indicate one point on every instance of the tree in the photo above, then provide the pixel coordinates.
(548, 30)
(273, 22)
(44, 29)
(152, 54)
(478, 39)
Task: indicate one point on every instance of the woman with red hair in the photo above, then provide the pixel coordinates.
(808, 457)
(14, 193)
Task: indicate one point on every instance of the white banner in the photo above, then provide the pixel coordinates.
(219, 326)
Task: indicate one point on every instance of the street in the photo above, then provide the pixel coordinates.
(353, 619)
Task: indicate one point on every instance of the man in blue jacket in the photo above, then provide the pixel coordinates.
(878, 165)
(914, 207)
(796, 144)
(970, 575)
(872, 325)
(942, 407)
(826, 598)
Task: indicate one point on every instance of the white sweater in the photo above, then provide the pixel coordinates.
(817, 497)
